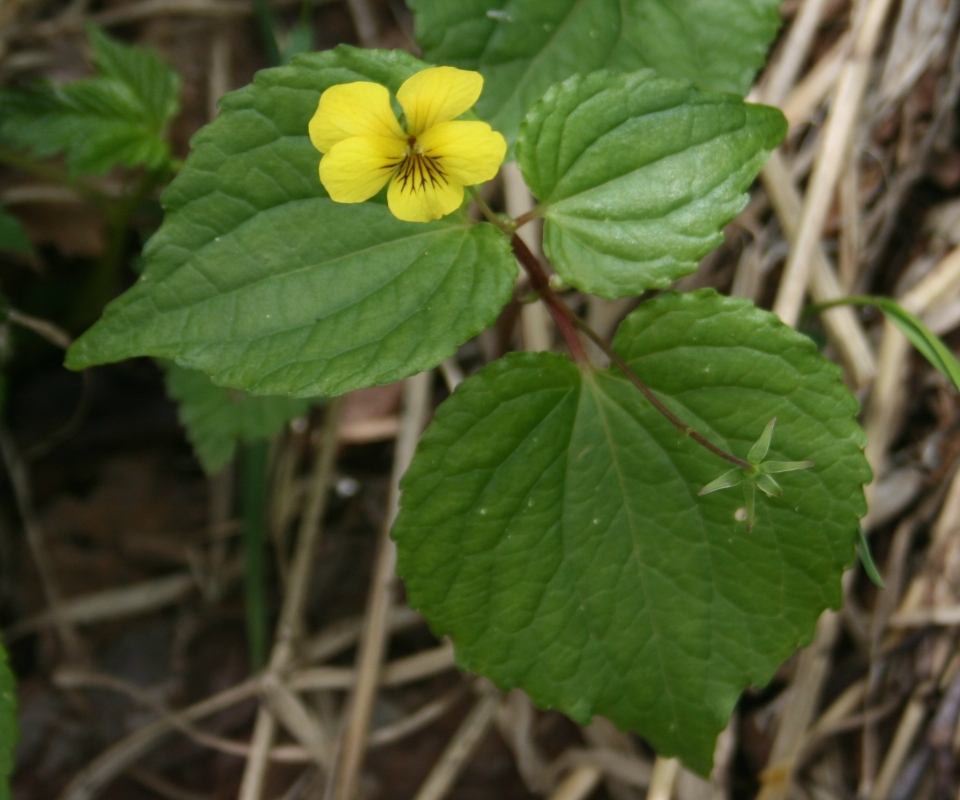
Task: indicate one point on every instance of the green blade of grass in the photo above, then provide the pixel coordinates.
(866, 558)
(254, 508)
(920, 336)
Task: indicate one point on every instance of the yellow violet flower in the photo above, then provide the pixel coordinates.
(428, 164)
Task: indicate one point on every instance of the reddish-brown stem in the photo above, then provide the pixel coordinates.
(562, 315)
(523, 219)
(655, 401)
(568, 323)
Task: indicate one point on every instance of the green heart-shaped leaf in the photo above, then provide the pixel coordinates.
(523, 46)
(637, 175)
(550, 521)
(259, 280)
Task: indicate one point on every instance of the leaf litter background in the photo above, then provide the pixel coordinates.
(119, 503)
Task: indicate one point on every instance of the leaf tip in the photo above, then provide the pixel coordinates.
(762, 446)
(732, 478)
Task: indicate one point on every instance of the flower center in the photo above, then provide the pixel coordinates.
(417, 170)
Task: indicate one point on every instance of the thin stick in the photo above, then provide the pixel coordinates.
(23, 494)
(290, 623)
(534, 322)
(804, 693)
(379, 737)
(289, 626)
(515, 721)
(724, 754)
(345, 633)
(218, 81)
(69, 679)
(850, 228)
(845, 331)
(663, 779)
(628, 769)
(298, 719)
(344, 781)
(163, 787)
(783, 73)
(417, 720)
(809, 94)
(285, 497)
(834, 149)
(578, 784)
(255, 771)
(941, 732)
(939, 283)
(220, 488)
(309, 782)
(44, 329)
(914, 715)
(365, 22)
(461, 747)
(452, 376)
(89, 781)
(110, 604)
(395, 673)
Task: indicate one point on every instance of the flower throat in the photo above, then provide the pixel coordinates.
(418, 170)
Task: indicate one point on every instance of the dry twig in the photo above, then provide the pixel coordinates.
(835, 144)
(460, 748)
(343, 782)
(289, 626)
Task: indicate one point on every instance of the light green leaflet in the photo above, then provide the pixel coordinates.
(550, 521)
(521, 47)
(8, 723)
(637, 175)
(218, 419)
(262, 282)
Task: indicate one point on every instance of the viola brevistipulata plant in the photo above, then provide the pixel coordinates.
(560, 520)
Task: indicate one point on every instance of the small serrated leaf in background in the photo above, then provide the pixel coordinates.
(636, 175)
(258, 279)
(550, 522)
(217, 420)
(119, 116)
(521, 47)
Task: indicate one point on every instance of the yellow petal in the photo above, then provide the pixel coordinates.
(357, 168)
(419, 192)
(438, 94)
(353, 109)
(467, 152)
